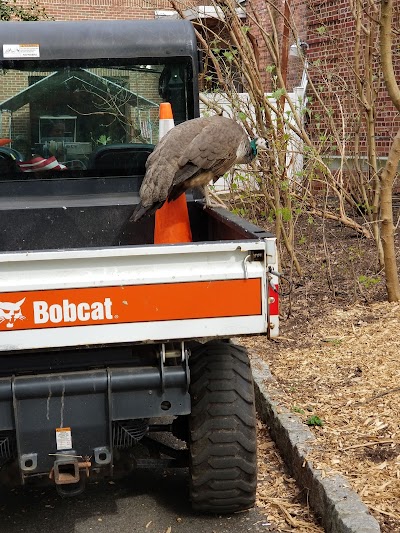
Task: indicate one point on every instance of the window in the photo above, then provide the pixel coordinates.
(63, 113)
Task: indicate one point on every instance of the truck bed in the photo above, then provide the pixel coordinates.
(95, 213)
(74, 272)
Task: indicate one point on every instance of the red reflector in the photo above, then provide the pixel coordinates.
(273, 299)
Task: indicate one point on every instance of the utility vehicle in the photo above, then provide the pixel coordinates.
(108, 341)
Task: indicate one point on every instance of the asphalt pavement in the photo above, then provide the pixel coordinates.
(145, 501)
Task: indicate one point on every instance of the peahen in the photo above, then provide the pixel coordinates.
(193, 154)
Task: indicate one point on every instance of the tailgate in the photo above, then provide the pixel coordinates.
(135, 294)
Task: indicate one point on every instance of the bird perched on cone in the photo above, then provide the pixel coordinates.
(193, 154)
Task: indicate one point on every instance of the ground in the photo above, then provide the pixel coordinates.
(337, 363)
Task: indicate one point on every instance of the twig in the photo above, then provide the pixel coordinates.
(373, 443)
(217, 198)
(294, 522)
(386, 513)
(206, 101)
(380, 395)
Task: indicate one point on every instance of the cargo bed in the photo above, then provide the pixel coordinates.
(79, 273)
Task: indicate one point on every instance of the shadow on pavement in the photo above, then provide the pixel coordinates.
(146, 501)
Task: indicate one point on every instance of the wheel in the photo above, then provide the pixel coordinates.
(222, 425)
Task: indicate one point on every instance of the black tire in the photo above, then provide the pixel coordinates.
(223, 442)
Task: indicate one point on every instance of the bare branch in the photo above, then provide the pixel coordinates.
(386, 52)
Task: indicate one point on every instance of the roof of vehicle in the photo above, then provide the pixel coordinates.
(98, 39)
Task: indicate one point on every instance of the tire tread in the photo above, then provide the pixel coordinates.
(223, 442)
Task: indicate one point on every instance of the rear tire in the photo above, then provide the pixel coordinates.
(223, 442)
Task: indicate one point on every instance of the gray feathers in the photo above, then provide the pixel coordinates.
(191, 155)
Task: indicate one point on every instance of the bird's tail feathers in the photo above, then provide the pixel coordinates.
(176, 192)
(142, 211)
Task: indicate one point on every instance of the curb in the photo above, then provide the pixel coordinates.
(339, 507)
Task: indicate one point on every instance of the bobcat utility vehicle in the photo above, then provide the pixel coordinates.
(108, 341)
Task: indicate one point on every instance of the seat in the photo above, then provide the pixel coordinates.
(8, 161)
(10, 153)
(121, 159)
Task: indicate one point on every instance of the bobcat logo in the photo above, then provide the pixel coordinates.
(11, 312)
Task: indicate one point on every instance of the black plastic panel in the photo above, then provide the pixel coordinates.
(91, 39)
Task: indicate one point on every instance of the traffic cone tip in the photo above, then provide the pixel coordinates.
(166, 111)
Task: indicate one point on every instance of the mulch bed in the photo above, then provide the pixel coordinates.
(337, 362)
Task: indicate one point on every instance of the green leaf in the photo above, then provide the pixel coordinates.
(103, 139)
(285, 213)
(314, 421)
(278, 93)
(368, 281)
(229, 56)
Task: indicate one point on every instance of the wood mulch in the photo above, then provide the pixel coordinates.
(279, 498)
(338, 361)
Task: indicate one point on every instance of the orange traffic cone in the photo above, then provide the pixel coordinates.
(172, 219)
(166, 119)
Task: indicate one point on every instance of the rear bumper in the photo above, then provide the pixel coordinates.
(47, 415)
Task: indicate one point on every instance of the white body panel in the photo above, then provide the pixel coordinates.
(63, 275)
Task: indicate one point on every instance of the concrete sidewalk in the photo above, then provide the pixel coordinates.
(331, 498)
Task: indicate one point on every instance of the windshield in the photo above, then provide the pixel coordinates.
(86, 118)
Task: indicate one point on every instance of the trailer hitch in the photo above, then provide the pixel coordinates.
(70, 475)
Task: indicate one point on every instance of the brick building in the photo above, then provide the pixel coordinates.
(327, 26)
(332, 36)
(101, 9)
(329, 29)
